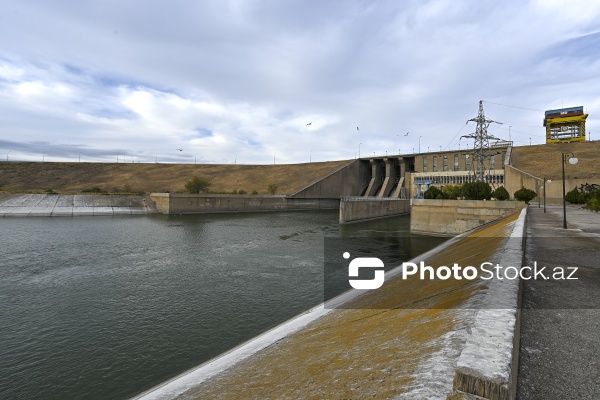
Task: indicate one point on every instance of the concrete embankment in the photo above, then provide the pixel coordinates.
(409, 339)
(180, 203)
(357, 209)
(62, 205)
(452, 217)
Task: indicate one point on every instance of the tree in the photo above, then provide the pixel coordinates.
(576, 197)
(501, 194)
(451, 192)
(272, 188)
(525, 195)
(197, 185)
(477, 190)
(433, 193)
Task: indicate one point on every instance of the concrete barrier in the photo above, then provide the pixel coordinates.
(488, 365)
(181, 203)
(356, 209)
(451, 217)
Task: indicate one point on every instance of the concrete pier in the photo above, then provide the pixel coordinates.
(357, 209)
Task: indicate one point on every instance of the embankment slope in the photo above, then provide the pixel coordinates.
(112, 177)
(545, 160)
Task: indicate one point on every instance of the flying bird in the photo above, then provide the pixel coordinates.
(406, 133)
(357, 128)
(310, 123)
(180, 149)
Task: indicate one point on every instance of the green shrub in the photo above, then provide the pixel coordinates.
(197, 185)
(476, 191)
(242, 192)
(272, 188)
(254, 192)
(432, 193)
(452, 192)
(501, 194)
(525, 195)
(576, 197)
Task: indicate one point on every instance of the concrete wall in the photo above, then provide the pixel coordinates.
(356, 209)
(175, 203)
(350, 180)
(451, 217)
(515, 179)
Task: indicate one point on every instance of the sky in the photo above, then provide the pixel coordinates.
(285, 81)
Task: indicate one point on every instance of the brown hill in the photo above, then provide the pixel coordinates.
(545, 160)
(76, 177)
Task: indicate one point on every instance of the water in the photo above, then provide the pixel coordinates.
(96, 308)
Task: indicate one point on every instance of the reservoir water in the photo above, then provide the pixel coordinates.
(107, 307)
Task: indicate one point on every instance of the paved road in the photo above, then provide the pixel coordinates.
(560, 331)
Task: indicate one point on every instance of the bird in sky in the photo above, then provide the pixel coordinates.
(310, 123)
(180, 149)
(357, 128)
(406, 134)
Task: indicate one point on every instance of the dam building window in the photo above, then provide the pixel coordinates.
(467, 162)
(445, 163)
(435, 163)
(456, 167)
(492, 162)
(424, 164)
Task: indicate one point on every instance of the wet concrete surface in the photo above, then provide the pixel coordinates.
(560, 322)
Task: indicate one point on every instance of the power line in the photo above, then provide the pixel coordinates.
(508, 105)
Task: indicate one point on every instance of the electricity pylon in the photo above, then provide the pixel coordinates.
(481, 146)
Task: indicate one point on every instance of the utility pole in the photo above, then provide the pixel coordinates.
(482, 143)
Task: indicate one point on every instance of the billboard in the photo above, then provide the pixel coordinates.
(565, 125)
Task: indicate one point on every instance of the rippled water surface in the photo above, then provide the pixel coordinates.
(102, 307)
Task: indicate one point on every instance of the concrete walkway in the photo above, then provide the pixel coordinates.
(560, 322)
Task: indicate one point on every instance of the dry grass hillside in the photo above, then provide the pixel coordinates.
(76, 177)
(545, 160)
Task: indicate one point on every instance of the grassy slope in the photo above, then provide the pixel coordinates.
(545, 160)
(74, 177)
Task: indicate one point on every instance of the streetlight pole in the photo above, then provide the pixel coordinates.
(572, 160)
(7, 155)
(545, 192)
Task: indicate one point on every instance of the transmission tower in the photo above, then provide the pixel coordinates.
(481, 146)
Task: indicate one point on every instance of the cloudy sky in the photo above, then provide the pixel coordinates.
(238, 80)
